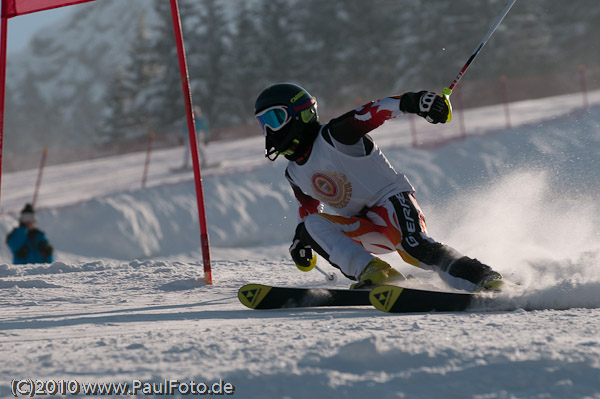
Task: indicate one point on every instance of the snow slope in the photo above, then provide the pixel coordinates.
(123, 302)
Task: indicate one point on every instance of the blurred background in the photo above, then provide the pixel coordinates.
(99, 79)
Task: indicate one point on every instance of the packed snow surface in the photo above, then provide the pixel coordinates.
(125, 301)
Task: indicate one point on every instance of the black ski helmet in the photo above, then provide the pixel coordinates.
(285, 111)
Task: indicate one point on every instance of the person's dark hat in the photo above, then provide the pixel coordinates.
(27, 214)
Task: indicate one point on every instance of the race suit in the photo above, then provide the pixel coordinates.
(375, 206)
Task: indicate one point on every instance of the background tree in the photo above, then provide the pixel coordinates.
(209, 42)
(246, 61)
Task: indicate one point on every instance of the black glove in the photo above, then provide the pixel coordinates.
(426, 104)
(300, 251)
(45, 249)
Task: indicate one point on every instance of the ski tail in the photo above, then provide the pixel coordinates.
(394, 299)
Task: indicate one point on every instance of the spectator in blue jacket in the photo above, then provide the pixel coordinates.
(27, 243)
(201, 140)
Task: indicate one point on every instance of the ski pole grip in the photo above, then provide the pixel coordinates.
(313, 263)
(446, 92)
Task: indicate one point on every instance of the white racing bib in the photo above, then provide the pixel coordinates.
(347, 183)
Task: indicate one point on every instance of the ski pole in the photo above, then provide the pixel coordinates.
(328, 276)
(447, 91)
(313, 265)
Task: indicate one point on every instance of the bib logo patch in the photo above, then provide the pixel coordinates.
(334, 189)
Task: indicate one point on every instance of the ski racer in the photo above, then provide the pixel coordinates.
(339, 165)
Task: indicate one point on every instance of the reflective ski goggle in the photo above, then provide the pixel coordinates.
(277, 117)
(274, 117)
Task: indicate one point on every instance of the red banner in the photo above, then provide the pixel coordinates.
(12, 8)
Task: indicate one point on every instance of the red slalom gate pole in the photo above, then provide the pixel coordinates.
(38, 183)
(461, 115)
(504, 90)
(3, 31)
(413, 130)
(582, 82)
(147, 162)
(185, 83)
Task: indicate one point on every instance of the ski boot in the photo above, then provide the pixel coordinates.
(472, 270)
(491, 283)
(376, 272)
